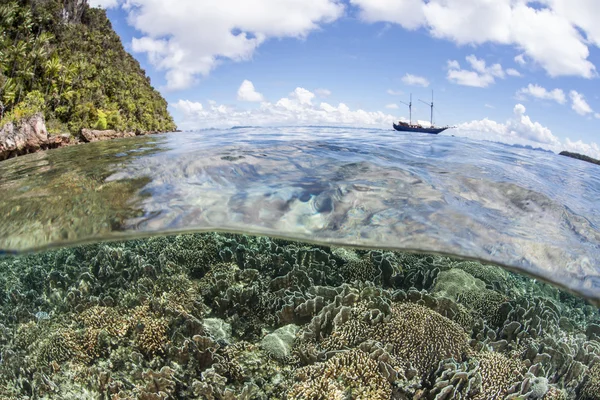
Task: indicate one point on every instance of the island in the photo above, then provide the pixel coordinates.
(580, 157)
(66, 78)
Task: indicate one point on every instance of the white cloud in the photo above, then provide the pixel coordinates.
(395, 92)
(597, 115)
(518, 129)
(295, 109)
(589, 149)
(392, 106)
(189, 39)
(521, 130)
(541, 93)
(548, 36)
(520, 59)
(414, 80)
(578, 103)
(323, 92)
(480, 76)
(246, 92)
(104, 3)
(513, 72)
(488, 105)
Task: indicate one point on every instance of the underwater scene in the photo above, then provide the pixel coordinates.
(226, 316)
(299, 263)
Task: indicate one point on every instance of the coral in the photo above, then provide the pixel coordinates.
(421, 336)
(460, 286)
(223, 316)
(279, 343)
(105, 318)
(590, 388)
(218, 329)
(499, 375)
(150, 330)
(158, 385)
(495, 277)
(58, 347)
(348, 375)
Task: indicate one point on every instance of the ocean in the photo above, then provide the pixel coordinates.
(299, 263)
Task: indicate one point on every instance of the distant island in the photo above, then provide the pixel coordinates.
(61, 60)
(580, 157)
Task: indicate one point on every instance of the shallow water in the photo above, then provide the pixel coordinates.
(532, 211)
(224, 316)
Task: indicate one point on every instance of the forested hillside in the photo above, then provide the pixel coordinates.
(63, 58)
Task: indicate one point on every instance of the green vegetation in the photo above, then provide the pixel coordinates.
(580, 157)
(62, 58)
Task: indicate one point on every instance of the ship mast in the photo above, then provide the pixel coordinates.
(431, 105)
(409, 109)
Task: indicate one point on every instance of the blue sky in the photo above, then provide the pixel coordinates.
(508, 70)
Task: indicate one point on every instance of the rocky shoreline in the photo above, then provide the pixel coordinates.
(30, 135)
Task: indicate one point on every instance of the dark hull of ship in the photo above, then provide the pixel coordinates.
(403, 128)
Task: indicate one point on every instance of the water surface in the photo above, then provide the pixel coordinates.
(532, 211)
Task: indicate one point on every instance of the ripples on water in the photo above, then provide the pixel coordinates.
(190, 313)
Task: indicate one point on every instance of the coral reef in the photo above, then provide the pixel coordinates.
(223, 316)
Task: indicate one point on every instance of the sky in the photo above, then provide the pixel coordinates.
(514, 71)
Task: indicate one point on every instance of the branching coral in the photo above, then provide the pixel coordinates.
(348, 375)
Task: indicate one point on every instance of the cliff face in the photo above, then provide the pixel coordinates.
(62, 58)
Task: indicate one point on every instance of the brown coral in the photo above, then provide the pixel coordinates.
(590, 389)
(347, 375)
(421, 336)
(106, 318)
(151, 330)
(498, 375)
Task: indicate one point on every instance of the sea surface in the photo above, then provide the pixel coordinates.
(533, 211)
(299, 263)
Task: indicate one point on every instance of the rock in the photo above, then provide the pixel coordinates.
(26, 136)
(92, 135)
(279, 343)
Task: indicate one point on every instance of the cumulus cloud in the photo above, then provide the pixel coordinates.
(589, 149)
(395, 92)
(392, 106)
(297, 108)
(549, 36)
(415, 80)
(520, 129)
(520, 59)
(578, 103)
(513, 72)
(480, 75)
(246, 92)
(540, 92)
(190, 38)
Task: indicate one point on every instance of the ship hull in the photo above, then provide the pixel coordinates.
(433, 131)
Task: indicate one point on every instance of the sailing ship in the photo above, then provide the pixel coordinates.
(410, 127)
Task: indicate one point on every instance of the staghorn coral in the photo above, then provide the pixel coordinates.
(150, 330)
(105, 318)
(590, 388)
(499, 375)
(348, 375)
(421, 336)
